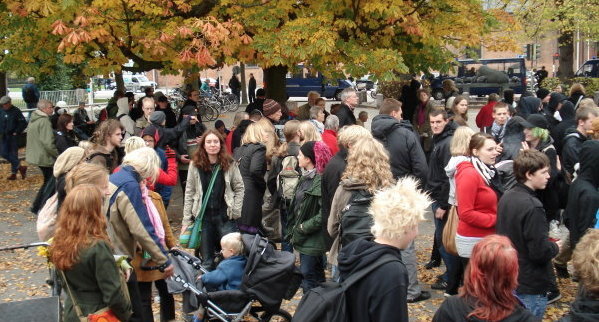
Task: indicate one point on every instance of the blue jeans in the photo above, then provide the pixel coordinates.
(312, 268)
(9, 151)
(439, 224)
(536, 304)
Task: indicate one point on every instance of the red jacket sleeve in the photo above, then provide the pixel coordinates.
(467, 183)
(168, 178)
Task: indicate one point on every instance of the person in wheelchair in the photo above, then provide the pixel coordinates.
(229, 272)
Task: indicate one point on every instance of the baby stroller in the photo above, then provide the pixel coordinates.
(269, 277)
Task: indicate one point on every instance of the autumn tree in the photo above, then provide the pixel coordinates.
(336, 37)
(566, 17)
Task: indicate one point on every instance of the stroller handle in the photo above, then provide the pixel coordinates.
(36, 244)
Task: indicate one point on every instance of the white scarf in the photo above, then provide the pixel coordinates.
(485, 172)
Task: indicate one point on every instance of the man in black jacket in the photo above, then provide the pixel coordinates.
(12, 125)
(575, 137)
(398, 137)
(252, 88)
(345, 113)
(258, 101)
(437, 184)
(521, 217)
(407, 159)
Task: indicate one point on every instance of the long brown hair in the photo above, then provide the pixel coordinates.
(104, 131)
(80, 224)
(200, 157)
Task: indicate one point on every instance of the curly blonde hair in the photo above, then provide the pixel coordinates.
(349, 135)
(368, 163)
(397, 210)
(586, 262)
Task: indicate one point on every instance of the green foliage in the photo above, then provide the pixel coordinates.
(391, 89)
(591, 85)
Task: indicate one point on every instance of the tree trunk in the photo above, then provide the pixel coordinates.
(120, 82)
(244, 97)
(3, 84)
(566, 55)
(275, 85)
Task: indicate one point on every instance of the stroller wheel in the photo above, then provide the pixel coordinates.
(278, 316)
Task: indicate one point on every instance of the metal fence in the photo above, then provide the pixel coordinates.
(71, 97)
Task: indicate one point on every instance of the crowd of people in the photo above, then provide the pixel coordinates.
(323, 186)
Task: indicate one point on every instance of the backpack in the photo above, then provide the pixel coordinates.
(29, 95)
(328, 302)
(288, 178)
(355, 221)
(108, 159)
(46, 218)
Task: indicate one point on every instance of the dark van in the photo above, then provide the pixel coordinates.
(302, 81)
(485, 76)
(589, 69)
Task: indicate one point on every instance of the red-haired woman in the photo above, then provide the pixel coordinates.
(489, 283)
(225, 200)
(83, 252)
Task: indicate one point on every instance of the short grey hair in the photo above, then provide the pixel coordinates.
(314, 110)
(42, 104)
(346, 93)
(311, 93)
(31, 80)
(148, 101)
(331, 123)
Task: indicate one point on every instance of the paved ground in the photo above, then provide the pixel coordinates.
(23, 272)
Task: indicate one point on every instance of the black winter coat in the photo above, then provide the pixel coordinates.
(405, 153)
(520, 217)
(346, 116)
(12, 121)
(583, 309)
(583, 197)
(456, 309)
(572, 144)
(382, 294)
(331, 177)
(512, 139)
(437, 183)
(252, 165)
(528, 105)
(568, 121)
(549, 196)
(170, 136)
(65, 141)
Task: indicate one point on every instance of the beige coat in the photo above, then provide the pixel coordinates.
(234, 190)
(340, 200)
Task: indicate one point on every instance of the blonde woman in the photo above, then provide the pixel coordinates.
(251, 157)
(308, 132)
(367, 171)
(381, 294)
(133, 218)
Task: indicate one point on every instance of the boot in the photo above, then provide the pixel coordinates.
(12, 177)
(23, 171)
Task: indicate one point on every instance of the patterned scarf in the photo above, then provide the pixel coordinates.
(498, 131)
(489, 175)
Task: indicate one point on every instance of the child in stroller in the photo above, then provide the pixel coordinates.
(228, 274)
(269, 277)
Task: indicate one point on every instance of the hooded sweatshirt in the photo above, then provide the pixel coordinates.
(123, 116)
(451, 170)
(568, 120)
(512, 139)
(405, 153)
(382, 294)
(583, 197)
(528, 105)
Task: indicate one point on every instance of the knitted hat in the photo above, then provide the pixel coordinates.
(157, 117)
(151, 131)
(318, 152)
(260, 92)
(270, 107)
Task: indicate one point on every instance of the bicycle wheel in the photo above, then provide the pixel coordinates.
(206, 113)
(215, 112)
(232, 103)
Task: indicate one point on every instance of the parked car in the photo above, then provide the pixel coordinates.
(589, 69)
(136, 83)
(365, 83)
(303, 81)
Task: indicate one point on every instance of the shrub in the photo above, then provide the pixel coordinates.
(591, 85)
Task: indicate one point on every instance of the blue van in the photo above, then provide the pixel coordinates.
(589, 69)
(302, 80)
(485, 76)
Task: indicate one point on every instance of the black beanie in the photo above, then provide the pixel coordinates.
(308, 151)
(542, 93)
